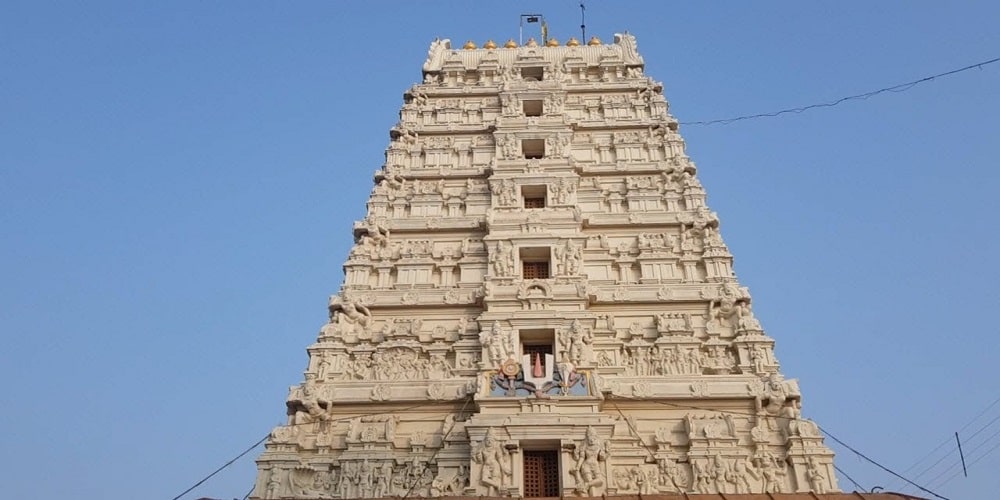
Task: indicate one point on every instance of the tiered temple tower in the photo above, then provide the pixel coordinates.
(539, 303)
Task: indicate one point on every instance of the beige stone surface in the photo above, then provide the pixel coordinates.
(539, 200)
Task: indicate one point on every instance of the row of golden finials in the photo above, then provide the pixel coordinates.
(511, 44)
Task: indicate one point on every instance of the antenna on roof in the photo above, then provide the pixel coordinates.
(583, 23)
(532, 18)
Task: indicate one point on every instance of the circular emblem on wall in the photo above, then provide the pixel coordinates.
(510, 368)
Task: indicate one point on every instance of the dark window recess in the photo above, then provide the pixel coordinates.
(535, 270)
(532, 108)
(533, 148)
(541, 473)
(534, 197)
(534, 203)
(533, 73)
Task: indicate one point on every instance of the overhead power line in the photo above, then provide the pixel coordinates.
(227, 464)
(944, 442)
(902, 87)
(957, 463)
(849, 478)
(824, 431)
(341, 419)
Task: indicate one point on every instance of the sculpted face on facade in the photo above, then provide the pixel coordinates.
(535, 302)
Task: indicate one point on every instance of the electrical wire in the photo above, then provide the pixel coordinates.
(227, 464)
(880, 466)
(467, 399)
(971, 451)
(980, 457)
(341, 419)
(953, 476)
(945, 442)
(902, 87)
(416, 481)
(849, 478)
(635, 432)
(824, 431)
(245, 497)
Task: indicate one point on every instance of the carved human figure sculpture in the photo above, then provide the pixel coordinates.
(589, 455)
(495, 469)
(816, 477)
(503, 259)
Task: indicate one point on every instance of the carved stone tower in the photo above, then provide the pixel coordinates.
(539, 303)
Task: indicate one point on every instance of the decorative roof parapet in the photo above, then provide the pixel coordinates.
(623, 48)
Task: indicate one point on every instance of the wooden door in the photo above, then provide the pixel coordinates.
(541, 473)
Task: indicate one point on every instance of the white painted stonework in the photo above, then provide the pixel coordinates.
(652, 375)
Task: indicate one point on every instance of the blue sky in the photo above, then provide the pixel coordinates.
(178, 181)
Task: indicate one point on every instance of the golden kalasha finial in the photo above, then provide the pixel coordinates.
(531, 43)
(490, 44)
(469, 45)
(572, 42)
(552, 43)
(594, 41)
(511, 44)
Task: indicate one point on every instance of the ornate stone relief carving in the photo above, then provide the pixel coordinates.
(588, 471)
(557, 146)
(574, 342)
(654, 360)
(502, 259)
(348, 317)
(509, 146)
(495, 471)
(454, 176)
(569, 258)
(499, 343)
(561, 191)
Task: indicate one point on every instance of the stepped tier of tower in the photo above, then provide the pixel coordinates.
(539, 303)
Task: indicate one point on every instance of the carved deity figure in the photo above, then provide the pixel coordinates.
(568, 258)
(759, 358)
(377, 231)
(511, 104)
(495, 470)
(503, 259)
(722, 311)
(702, 476)
(274, 485)
(561, 191)
(509, 148)
(721, 473)
(323, 366)
(817, 480)
(746, 322)
(743, 470)
(774, 476)
(310, 409)
(503, 191)
(383, 480)
(775, 395)
(797, 426)
(499, 343)
(573, 342)
(366, 479)
(589, 455)
(672, 476)
(712, 238)
(350, 315)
